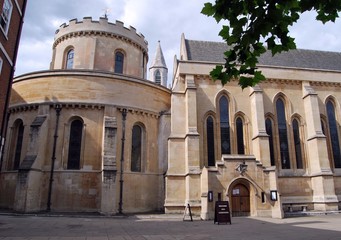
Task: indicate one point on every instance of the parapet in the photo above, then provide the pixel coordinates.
(101, 27)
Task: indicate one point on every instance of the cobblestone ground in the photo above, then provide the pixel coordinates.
(166, 227)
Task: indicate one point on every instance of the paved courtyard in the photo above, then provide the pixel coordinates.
(167, 227)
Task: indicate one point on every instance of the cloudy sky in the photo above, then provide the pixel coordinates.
(163, 20)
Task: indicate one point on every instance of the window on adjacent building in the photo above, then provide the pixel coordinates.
(240, 136)
(298, 144)
(224, 126)
(283, 134)
(210, 141)
(157, 77)
(75, 144)
(268, 127)
(136, 149)
(334, 134)
(19, 136)
(119, 60)
(69, 58)
(6, 15)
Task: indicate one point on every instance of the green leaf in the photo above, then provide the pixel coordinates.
(208, 9)
(249, 21)
(216, 72)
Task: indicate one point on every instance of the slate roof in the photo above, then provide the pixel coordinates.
(310, 59)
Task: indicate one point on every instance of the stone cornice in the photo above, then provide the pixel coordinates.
(326, 84)
(85, 33)
(281, 81)
(77, 105)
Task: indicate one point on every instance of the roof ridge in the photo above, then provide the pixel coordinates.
(297, 49)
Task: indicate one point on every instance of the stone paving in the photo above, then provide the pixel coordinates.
(166, 227)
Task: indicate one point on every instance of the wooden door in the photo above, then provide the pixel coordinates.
(240, 201)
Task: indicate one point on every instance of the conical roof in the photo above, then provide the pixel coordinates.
(159, 60)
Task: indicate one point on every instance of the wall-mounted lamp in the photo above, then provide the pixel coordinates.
(273, 195)
(241, 168)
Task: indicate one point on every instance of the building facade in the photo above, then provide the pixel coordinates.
(269, 149)
(93, 134)
(11, 21)
(78, 117)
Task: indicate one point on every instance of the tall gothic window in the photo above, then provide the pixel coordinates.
(224, 126)
(19, 135)
(283, 134)
(298, 145)
(240, 136)
(157, 77)
(136, 149)
(75, 144)
(334, 134)
(69, 59)
(119, 60)
(268, 127)
(210, 141)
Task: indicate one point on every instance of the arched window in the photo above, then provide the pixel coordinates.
(283, 134)
(157, 77)
(75, 144)
(298, 145)
(119, 60)
(210, 141)
(268, 127)
(136, 149)
(334, 134)
(240, 136)
(224, 126)
(69, 59)
(19, 135)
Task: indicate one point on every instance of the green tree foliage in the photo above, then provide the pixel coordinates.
(257, 25)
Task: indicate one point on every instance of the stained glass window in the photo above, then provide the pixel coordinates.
(334, 134)
(119, 60)
(224, 126)
(240, 136)
(297, 143)
(69, 59)
(210, 141)
(283, 135)
(75, 144)
(136, 149)
(18, 147)
(268, 126)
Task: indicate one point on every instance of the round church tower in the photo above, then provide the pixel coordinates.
(88, 128)
(100, 45)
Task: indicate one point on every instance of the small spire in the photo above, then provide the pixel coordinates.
(158, 70)
(159, 60)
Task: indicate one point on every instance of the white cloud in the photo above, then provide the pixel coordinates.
(162, 20)
(312, 34)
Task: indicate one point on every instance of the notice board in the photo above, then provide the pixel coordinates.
(222, 212)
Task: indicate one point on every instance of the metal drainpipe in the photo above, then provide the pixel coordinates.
(58, 108)
(124, 115)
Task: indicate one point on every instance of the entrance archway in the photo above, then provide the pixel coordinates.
(240, 196)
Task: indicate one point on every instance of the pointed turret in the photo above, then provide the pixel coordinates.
(158, 70)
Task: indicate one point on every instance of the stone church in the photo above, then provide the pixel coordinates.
(93, 134)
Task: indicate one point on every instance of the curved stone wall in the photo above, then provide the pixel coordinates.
(95, 44)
